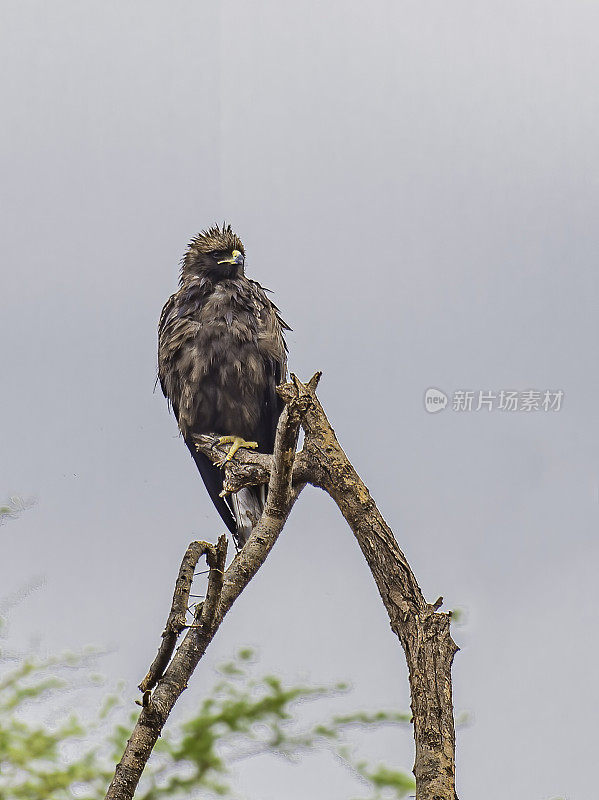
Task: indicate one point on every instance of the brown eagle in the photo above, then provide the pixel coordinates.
(221, 353)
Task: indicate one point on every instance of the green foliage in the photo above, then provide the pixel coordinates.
(32, 762)
(242, 717)
(13, 507)
(385, 782)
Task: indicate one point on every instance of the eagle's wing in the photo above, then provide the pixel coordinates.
(175, 328)
(273, 348)
(166, 350)
(179, 365)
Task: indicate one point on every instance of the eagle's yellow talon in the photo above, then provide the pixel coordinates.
(236, 442)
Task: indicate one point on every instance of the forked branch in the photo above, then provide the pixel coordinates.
(171, 679)
(422, 630)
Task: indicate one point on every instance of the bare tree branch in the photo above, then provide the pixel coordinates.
(176, 621)
(223, 590)
(423, 631)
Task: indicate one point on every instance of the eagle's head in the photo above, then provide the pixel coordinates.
(215, 253)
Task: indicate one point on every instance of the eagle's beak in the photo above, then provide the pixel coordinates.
(236, 258)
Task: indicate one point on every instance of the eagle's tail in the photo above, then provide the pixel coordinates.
(247, 505)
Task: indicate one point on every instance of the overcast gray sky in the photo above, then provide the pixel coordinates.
(418, 184)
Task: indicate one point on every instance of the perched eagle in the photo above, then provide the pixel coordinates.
(221, 353)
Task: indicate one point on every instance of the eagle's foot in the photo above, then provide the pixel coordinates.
(236, 442)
